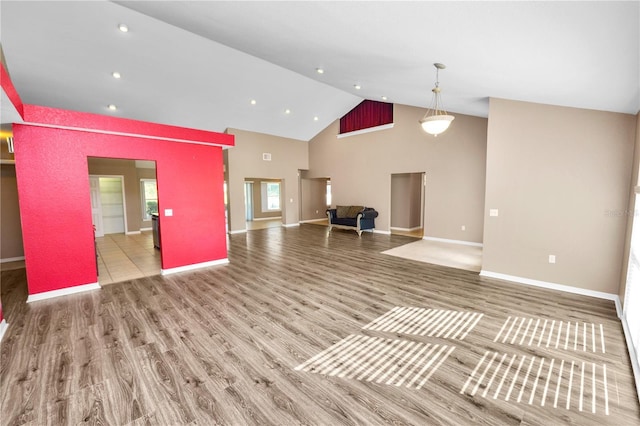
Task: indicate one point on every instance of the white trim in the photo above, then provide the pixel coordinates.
(12, 259)
(194, 266)
(265, 218)
(63, 292)
(133, 233)
(146, 229)
(367, 130)
(324, 219)
(240, 231)
(290, 225)
(461, 242)
(4, 325)
(378, 231)
(632, 354)
(553, 286)
(395, 228)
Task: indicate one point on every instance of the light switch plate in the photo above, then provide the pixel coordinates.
(168, 212)
(493, 212)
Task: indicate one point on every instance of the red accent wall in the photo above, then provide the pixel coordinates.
(55, 207)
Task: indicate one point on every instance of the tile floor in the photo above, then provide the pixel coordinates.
(124, 257)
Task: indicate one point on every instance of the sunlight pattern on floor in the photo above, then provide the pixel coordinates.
(391, 362)
(558, 383)
(426, 322)
(559, 334)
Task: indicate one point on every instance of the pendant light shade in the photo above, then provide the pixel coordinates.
(436, 120)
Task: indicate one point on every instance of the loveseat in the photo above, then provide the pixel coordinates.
(357, 218)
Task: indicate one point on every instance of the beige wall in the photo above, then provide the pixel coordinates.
(559, 178)
(10, 229)
(406, 194)
(314, 198)
(127, 169)
(635, 182)
(360, 169)
(132, 176)
(244, 160)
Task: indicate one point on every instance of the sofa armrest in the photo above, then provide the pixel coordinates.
(368, 214)
(331, 214)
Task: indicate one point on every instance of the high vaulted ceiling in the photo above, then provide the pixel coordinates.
(200, 63)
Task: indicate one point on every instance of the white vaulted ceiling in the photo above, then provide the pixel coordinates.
(199, 64)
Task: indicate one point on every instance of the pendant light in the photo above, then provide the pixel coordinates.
(436, 120)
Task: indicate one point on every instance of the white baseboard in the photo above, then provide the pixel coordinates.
(133, 232)
(395, 228)
(194, 266)
(146, 229)
(379, 231)
(461, 242)
(324, 219)
(553, 286)
(632, 354)
(255, 219)
(290, 225)
(63, 292)
(12, 259)
(3, 328)
(241, 231)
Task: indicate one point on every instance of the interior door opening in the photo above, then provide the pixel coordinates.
(263, 199)
(124, 201)
(407, 204)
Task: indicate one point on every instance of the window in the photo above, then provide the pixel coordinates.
(270, 196)
(328, 193)
(149, 193)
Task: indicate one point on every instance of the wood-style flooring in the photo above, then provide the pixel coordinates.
(304, 326)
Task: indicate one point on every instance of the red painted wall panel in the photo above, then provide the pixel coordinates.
(53, 117)
(55, 208)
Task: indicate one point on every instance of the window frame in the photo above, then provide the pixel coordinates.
(143, 197)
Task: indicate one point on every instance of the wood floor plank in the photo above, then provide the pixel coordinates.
(221, 345)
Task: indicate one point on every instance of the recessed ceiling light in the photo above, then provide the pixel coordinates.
(356, 86)
(116, 74)
(384, 98)
(123, 27)
(320, 70)
(253, 101)
(287, 111)
(112, 107)
(315, 118)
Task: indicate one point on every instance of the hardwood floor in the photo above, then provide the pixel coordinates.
(310, 327)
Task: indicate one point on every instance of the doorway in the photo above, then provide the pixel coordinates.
(407, 204)
(108, 204)
(124, 197)
(263, 202)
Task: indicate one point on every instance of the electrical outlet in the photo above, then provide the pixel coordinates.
(493, 212)
(463, 228)
(552, 258)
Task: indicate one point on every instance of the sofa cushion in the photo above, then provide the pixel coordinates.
(354, 210)
(348, 211)
(342, 211)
